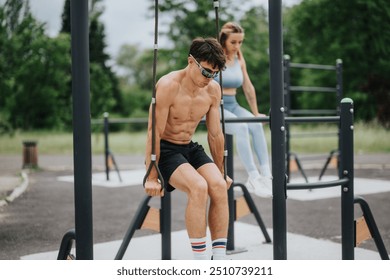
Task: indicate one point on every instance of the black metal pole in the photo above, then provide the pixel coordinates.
(278, 129)
(135, 224)
(287, 102)
(346, 171)
(81, 130)
(165, 227)
(106, 147)
(230, 172)
(339, 86)
(374, 231)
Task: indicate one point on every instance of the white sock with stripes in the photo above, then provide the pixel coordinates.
(199, 248)
(219, 249)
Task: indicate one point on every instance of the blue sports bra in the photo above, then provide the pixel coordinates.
(232, 76)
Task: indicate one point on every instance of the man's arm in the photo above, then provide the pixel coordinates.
(215, 135)
(152, 186)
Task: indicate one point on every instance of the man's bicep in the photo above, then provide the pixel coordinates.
(162, 108)
(213, 121)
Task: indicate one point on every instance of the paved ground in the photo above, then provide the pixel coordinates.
(43, 210)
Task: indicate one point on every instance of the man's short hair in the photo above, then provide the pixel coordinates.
(209, 50)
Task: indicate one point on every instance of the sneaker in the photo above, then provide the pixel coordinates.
(260, 186)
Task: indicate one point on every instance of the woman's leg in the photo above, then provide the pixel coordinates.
(260, 185)
(259, 142)
(241, 133)
(260, 147)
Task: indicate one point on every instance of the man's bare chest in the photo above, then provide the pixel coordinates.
(190, 108)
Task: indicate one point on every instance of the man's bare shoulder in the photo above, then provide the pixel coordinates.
(170, 82)
(214, 89)
(214, 85)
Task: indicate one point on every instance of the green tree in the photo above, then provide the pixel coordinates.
(255, 49)
(137, 76)
(197, 18)
(189, 19)
(192, 19)
(66, 22)
(126, 60)
(104, 85)
(35, 76)
(320, 31)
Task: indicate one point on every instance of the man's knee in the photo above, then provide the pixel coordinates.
(199, 190)
(218, 188)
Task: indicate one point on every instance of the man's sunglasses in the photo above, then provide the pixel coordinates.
(205, 73)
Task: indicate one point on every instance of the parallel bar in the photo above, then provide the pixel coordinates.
(81, 130)
(278, 129)
(317, 185)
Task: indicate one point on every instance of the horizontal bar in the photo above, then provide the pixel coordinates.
(317, 185)
(120, 120)
(312, 119)
(312, 66)
(248, 119)
(232, 120)
(313, 134)
(312, 112)
(313, 89)
(287, 119)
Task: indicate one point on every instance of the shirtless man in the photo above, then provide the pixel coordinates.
(183, 98)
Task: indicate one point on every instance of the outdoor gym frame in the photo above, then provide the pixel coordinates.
(82, 140)
(335, 92)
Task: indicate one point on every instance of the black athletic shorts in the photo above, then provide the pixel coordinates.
(173, 155)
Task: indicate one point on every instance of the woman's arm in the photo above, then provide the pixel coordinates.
(247, 86)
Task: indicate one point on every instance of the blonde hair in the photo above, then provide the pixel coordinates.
(227, 29)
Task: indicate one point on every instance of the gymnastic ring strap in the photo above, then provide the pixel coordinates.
(153, 158)
(160, 177)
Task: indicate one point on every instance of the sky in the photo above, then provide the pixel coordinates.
(125, 21)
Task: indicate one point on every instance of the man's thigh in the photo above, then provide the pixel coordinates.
(212, 175)
(184, 177)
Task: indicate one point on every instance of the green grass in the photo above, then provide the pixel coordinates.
(369, 138)
(62, 142)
